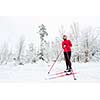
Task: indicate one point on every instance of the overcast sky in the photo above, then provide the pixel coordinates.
(12, 27)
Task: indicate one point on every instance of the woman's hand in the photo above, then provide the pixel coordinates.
(65, 46)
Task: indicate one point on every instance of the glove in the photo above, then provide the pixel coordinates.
(65, 45)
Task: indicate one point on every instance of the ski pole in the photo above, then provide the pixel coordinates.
(73, 75)
(55, 61)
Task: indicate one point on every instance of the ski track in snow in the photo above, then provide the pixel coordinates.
(88, 72)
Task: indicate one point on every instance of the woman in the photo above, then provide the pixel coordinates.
(66, 45)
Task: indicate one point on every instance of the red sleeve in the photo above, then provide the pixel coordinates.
(63, 45)
(70, 44)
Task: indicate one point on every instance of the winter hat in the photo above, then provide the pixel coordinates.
(64, 36)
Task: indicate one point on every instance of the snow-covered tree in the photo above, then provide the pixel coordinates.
(87, 44)
(31, 56)
(62, 31)
(5, 54)
(42, 32)
(20, 51)
(74, 36)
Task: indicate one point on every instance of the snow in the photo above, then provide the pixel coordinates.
(38, 72)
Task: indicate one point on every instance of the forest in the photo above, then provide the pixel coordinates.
(85, 46)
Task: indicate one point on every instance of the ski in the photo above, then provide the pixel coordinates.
(57, 73)
(62, 75)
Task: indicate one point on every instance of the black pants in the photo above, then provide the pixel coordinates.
(67, 56)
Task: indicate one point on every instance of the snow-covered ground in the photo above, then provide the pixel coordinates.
(87, 72)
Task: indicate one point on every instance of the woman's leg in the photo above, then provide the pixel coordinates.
(66, 60)
(69, 54)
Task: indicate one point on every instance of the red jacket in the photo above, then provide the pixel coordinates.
(66, 45)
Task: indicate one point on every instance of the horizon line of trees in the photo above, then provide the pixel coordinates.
(85, 47)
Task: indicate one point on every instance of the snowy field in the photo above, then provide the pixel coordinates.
(87, 72)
